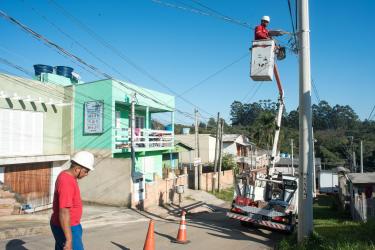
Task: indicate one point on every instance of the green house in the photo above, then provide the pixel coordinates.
(102, 123)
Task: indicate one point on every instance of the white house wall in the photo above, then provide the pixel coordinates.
(206, 145)
(230, 148)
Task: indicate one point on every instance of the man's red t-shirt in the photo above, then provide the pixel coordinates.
(67, 195)
(261, 33)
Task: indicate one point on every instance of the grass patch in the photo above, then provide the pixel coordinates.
(224, 194)
(334, 230)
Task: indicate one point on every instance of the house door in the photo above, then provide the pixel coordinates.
(31, 181)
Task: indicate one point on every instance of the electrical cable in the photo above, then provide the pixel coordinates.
(118, 53)
(198, 11)
(78, 59)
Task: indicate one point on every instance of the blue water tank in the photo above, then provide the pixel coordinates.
(169, 127)
(64, 71)
(41, 68)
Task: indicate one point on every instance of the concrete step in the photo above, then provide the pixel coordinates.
(6, 211)
(6, 194)
(5, 201)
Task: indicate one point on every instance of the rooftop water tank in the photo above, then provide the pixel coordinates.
(185, 131)
(64, 71)
(41, 68)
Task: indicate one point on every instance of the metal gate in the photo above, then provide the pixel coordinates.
(31, 181)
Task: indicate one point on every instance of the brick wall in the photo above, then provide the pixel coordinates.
(226, 179)
(163, 191)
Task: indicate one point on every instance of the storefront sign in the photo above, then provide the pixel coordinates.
(94, 113)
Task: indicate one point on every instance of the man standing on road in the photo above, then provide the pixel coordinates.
(261, 31)
(67, 203)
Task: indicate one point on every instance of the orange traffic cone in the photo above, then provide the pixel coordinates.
(181, 236)
(150, 239)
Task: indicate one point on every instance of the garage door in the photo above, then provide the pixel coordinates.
(31, 181)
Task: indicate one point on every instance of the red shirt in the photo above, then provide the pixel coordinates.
(67, 195)
(261, 33)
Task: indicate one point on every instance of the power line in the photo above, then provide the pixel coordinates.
(214, 74)
(370, 116)
(255, 92)
(292, 22)
(315, 89)
(117, 52)
(62, 50)
(77, 42)
(213, 13)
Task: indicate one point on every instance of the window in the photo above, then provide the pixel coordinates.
(21, 132)
(139, 122)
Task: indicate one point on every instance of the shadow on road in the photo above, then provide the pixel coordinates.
(223, 227)
(15, 244)
(165, 236)
(120, 246)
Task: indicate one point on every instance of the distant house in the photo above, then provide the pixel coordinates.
(241, 148)
(284, 165)
(361, 188)
(206, 148)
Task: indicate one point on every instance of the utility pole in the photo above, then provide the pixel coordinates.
(305, 212)
(220, 153)
(361, 156)
(197, 180)
(214, 176)
(292, 149)
(132, 131)
(314, 168)
(352, 169)
(354, 161)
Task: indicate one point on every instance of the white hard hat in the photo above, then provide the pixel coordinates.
(84, 159)
(266, 18)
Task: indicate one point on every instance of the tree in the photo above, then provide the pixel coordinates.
(236, 113)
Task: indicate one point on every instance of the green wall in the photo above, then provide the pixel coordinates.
(95, 91)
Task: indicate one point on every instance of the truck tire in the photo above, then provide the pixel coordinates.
(245, 223)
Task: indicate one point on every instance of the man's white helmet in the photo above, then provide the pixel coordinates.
(84, 159)
(266, 18)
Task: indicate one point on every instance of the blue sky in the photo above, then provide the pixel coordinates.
(181, 48)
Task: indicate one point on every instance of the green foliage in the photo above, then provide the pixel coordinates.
(333, 230)
(228, 162)
(225, 194)
(332, 128)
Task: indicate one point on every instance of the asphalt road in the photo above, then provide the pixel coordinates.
(204, 230)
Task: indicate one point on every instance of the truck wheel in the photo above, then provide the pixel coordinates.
(245, 223)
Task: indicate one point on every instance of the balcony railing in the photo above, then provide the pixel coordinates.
(143, 139)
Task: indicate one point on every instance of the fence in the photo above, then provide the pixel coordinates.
(363, 209)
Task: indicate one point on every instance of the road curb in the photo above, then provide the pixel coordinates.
(23, 232)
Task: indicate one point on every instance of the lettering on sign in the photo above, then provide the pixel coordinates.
(93, 118)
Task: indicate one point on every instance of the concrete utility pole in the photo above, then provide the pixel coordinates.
(314, 168)
(220, 153)
(214, 176)
(197, 180)
(361, 156)
(305, 212)
(292, 149)
(132, 131)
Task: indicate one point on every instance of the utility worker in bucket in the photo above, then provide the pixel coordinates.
(261, 31)
(67, 203)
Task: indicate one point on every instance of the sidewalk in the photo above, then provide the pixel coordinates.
(194, 201)
(93, 216)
